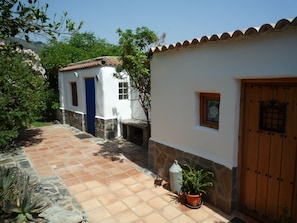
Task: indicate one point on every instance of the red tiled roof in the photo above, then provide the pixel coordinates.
(280, 25)
(99, 61)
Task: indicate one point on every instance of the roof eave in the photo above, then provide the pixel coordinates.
(280, 25)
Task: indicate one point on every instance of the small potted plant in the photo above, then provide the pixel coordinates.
(194, 184)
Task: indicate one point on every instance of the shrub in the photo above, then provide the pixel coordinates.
(195, 180)
(22, 89)
(17, 195)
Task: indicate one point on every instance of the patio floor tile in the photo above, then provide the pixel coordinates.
(116, 207)
(101, 190)
(127, 216)
(185, 219)
(108, 198)
(97, 215)
(170, 212)
(75, 189)
(142, 209)
(132, 201)
(84, 196)
(123, 193)
(90, 205)
(110, 188)
(156, 217)
(157, 203)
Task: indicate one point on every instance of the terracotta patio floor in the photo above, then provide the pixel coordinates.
(109, 180)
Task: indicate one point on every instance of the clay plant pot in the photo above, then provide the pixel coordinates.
(194, 200)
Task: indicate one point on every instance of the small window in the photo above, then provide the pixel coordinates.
(74, 93)
(123, 90)
(273, 116)
(209, 110)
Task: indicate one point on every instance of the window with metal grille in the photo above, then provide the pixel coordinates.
(272, 116)
(123, 90)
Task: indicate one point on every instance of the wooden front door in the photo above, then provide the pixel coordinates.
(268, 165)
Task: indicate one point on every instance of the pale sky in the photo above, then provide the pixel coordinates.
(180, 20)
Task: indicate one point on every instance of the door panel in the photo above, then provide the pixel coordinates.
(289, 152)
(263, 157)
(90, 105)
(269, 149)
(250, 162)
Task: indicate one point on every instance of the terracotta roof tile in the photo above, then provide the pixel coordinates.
(99, 61)
(280, 25)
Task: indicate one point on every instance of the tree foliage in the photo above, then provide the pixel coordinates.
(136, 61)
(23, 18)
(22, 88)
(80, 46)
(22, 84)
(56, 54)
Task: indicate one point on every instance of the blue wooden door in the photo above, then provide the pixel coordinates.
(90, 105)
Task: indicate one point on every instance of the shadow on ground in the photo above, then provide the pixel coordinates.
(119, 150)
(181, 199)
(30, 137)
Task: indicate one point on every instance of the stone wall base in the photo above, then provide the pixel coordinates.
(106, 128)
(222, 195)
(59, 115)
(74, 119)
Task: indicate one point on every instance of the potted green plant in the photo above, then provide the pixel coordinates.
(194, 184)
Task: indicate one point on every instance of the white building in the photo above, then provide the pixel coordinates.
(93, 100)
(229, 103)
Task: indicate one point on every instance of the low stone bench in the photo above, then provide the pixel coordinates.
(136, 131)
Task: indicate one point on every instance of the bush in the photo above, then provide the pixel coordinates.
(52, 104)
(17, 197)
(22, 89)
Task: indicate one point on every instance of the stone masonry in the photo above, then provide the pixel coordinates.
(222, 195)
(106, 129)
(52, 190)
(74, 119)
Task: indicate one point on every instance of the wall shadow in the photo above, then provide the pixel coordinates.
(119, 149)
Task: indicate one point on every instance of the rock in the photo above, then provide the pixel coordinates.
(25, 164)
(6, 161)
(56, 214)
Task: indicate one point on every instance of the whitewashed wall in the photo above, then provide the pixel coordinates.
(178, 76)
(108, 105)
(137, 111)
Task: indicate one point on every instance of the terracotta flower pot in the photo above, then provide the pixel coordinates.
(194, 200)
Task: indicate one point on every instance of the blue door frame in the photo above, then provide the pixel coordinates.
(90, 105)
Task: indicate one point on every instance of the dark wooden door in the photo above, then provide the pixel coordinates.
(268, 174)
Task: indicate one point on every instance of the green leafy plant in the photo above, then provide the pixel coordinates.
(17, 195)
(7, 181)
(21, 85)
(24, 18)
(135, 59)
(195, 180)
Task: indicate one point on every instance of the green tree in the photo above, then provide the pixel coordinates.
(24, 18)
(22, 80)
(77, 47)
(136, 61)
(92, 47)
(80, 46)
(21, 92)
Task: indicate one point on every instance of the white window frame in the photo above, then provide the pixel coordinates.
(123, 90)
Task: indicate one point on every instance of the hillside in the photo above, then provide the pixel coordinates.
(35, 46)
